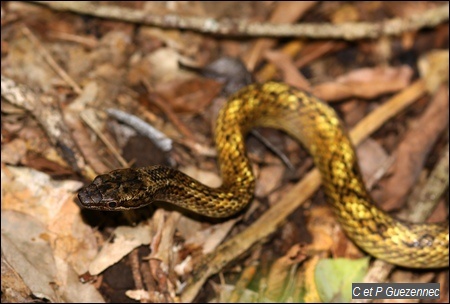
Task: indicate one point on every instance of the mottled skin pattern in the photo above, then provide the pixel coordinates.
(318, 128)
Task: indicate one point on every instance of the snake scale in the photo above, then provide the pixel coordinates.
(315, 125)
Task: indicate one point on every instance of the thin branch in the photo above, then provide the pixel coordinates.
(163, 106)
(51, 62)
(274, 149)
(233, 27)
(88, 116)
(421, 206)
(157, 137)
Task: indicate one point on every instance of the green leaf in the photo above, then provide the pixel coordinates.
(334, 278)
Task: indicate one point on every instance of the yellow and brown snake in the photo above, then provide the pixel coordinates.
(315, 125)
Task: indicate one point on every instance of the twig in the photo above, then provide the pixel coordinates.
(269, 70)
(437, 183)
(274, 149)
(347, 31)
(51, 62)
(277, 214)
(88, 42)
(134, 264)
(162, 104)
(160, 139)
(88, 116)
(284, 12)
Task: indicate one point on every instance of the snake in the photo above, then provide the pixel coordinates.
(319, 129)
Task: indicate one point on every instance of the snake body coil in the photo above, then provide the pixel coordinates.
(318, 128)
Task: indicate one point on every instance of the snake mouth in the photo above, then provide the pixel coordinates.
(91, 198)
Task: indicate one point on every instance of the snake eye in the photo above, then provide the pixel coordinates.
(112, 204)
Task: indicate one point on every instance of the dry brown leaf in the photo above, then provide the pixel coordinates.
(46, 240)
(73, 240)
(280, 271)
(14, 151)
(291, 74)
(212, 236)
(315, 50)
(269, 179)
(353, 111)
(307, 281)
(35, 193)
(31, 70)
(408, 8)
(124, 240)
(164, 250)
(365, 83)
(208, 178)
(322, 227)
(345, 13)
(27, 250)
(413, 150)
(284, 12)
(371, 157)
(190, 96)
(14, 289)
(433, 68)
(163, 64)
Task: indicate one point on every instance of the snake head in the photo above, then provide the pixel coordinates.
(118, 190)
